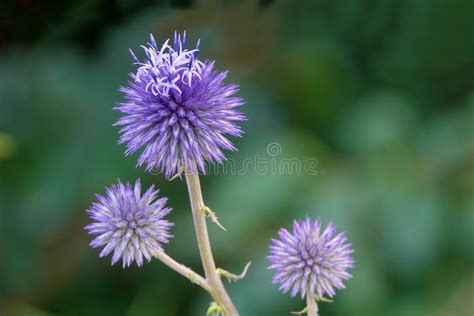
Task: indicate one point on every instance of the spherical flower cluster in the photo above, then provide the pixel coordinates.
(129, 224)
(310, 261)
(178, 109)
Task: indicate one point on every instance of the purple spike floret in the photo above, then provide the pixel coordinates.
(309, 261)
(129, 224)
(178, 110)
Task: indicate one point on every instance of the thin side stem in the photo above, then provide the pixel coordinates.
(217, 290)
(183, 270)
(312, 305)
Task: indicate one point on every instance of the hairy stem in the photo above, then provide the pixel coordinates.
(217, 289)
(183, 270)
(311, 304)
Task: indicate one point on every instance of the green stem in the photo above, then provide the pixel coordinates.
(217, 289)
(311, 304)
(183, 270)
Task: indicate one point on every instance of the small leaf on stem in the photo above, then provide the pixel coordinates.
(234, 277)
(301, 312)
(209, 213)
(214, 310)
(322, 299)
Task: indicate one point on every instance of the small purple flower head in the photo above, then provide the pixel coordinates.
(310, 262)
(129, 224)
(178, 109)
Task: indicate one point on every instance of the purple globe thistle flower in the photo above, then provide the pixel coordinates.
(129, 224)
(310, 262)
(178, 109)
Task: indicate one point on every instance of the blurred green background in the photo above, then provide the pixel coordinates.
(379, 92)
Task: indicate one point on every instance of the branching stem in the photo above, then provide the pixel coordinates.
(183, 270)
(217, 290)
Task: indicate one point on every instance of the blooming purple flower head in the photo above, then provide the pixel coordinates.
(178, 109)
(310, 262)
(129, 224)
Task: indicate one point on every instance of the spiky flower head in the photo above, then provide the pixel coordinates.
(178, 109)
(310, 261)
(129, 224)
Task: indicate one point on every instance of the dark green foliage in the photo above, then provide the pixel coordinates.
(379, 92)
